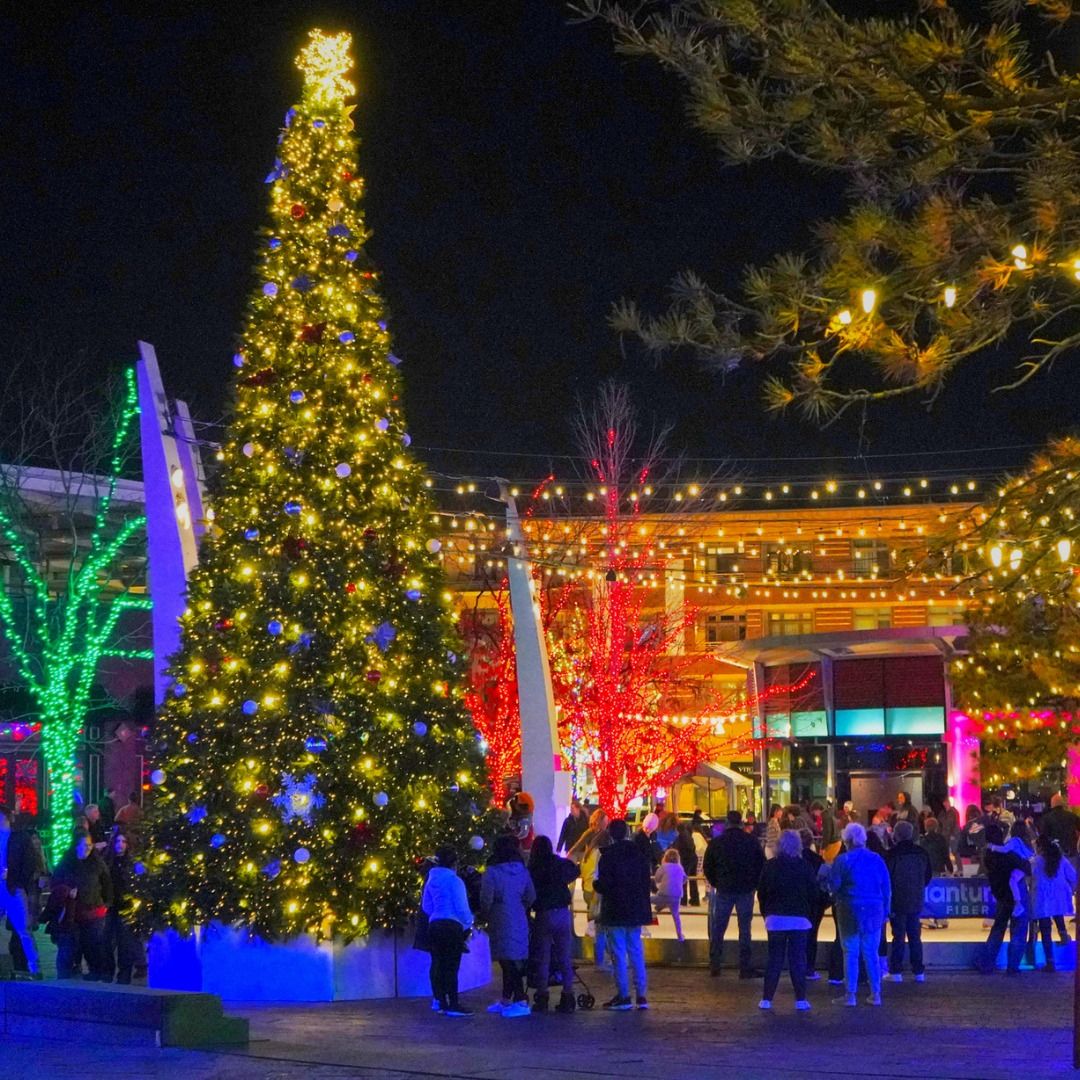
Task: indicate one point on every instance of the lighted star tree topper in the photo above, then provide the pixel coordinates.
(315, 745)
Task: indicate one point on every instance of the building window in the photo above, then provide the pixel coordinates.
(781, 561)
(722, 559)
(789, 623)
(937, 616)
(721, 628)
(870, 557)
(871, 618)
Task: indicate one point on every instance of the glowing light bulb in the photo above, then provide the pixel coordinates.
(868, 300)
(995, 555)
(844, 317)
(1014, 558)
(1064, 549)
(949, 296)
(1020, 255)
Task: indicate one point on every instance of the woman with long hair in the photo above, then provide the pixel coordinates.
(506, 894)
(1055, 884)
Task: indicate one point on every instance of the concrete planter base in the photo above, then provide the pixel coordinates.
(238, 966)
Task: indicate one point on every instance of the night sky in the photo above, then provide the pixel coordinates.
(521, 178)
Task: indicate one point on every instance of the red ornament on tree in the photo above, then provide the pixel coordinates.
(370, 536)
(350, 587)
(294, 546)
(373, 676)
(260, 378)
(297, 211)
(312, 333)
(262, 791)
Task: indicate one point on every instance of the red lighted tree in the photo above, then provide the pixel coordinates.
(492, 697)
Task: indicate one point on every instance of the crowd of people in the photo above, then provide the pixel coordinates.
(82, 901)
(795, 868)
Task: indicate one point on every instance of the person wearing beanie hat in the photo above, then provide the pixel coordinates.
(645, 838)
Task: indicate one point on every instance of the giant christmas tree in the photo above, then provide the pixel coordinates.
(315, 745)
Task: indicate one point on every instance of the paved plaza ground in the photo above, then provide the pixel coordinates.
(956, 1026)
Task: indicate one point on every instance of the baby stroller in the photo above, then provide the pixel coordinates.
(584, 998)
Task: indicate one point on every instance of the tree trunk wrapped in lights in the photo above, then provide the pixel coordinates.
(315, 746)
(62, 614)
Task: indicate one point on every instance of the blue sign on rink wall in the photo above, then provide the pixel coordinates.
(958, 898)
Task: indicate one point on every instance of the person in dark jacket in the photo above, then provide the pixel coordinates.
(909, 873)
(936, 846)
(1007, 871)
(624, 882)
(684, 845)
(821, 904)
(573, 827)
(788, 894)
(732, 866)
(1061, 824)
(645, 838)
(551, 876)
(79, 903)
(125, 951)
(18, 890)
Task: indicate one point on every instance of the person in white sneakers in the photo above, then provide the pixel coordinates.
(787, 893)
(862, 892)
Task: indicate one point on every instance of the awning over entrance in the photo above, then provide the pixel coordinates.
(714, 770)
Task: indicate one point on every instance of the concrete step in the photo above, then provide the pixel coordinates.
(105, 1013)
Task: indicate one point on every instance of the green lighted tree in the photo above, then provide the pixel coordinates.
(316, 745)
(1020, 676)
(951, 130)
(70, 552)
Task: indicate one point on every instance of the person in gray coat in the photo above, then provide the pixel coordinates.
(506, 894)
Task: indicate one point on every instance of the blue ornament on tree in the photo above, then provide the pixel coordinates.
(274, 627)
(217, 840)
(296, 396)
(382, 423)
(238, 359)
(274, 243)
(315, 744)
(339, 230)
(302, 283)
(346, 337)
(301, 855)
(298, 799)
(381, 324)
(250, 708)
(292, 508)
(272, 869)
(382, 636)
(381, 798)
(350, 256)
(139, 869)
(192, 737)
(420, 727)
(290, 116)
(412, 594)
(406, 439)
(395, 360)
(318, 124)
(196, 814)
(251, 534)
(343, 469)
(157, 777)
(179, 689)
(270, 289)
